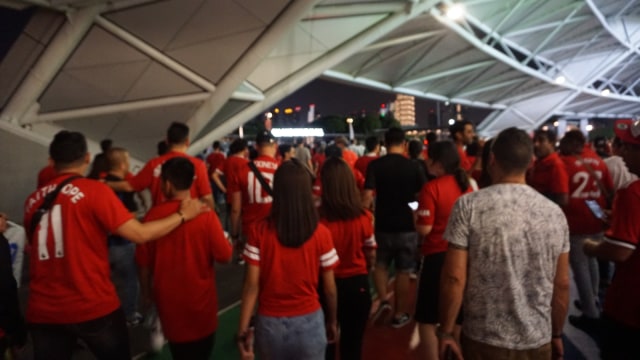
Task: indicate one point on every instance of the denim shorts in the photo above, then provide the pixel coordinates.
(401, 248)
(298, 337)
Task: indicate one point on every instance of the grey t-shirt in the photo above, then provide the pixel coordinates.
(514, 237)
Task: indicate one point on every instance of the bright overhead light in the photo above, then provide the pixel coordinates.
(605, 92)
(589, 127)
(560, 80)
(545, 128)
(555, 123)
(452, 121)
(297, 132)
(456, 12)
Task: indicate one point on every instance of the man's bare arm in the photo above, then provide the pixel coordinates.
(560, 298)
(452, 283)
(607, 251)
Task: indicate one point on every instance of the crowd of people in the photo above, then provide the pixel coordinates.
(491, 229)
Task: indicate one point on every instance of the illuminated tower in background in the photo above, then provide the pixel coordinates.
(405, 110)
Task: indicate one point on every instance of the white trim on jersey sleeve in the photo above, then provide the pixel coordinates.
(251, 252)
(371, 241)
(329, 258)
(620, 243)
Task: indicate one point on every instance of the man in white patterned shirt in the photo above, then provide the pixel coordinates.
(508, 261)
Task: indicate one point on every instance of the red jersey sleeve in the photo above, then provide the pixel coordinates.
(202, 179)
(111, 212)
(251, 251)
(369, 240)
(426, 205)
(233, 179)
(328, 254)
(144, 178)
(624, 230)
(560, 184)
(221, 249)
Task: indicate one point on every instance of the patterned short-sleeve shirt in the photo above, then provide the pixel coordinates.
(514, 237)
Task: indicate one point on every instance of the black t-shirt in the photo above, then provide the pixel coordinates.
(126, 197)
(397, 181)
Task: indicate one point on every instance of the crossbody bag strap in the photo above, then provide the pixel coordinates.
(48, 203)
(261, 179)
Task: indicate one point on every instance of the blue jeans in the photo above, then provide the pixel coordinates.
(124, 275)
(300, 337)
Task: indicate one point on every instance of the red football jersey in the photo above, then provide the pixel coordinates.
(256, 203)
(622, 301)
(69, 265)
(435, 201)
(363, 162)
(583, 186)
(318, 160)
(350, 157)
(350, 237)
(230, 168)
(549, 176)
(289, 276)
(465, 163)
(45, 175)
(215, 160)
(149, 177)
(184, 280)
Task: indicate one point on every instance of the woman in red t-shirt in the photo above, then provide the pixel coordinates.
(435, 202)
(351, 228)
(286, 254)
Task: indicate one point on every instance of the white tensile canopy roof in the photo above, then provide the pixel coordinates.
(125, 69)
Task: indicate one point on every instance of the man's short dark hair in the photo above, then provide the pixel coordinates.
(394, 136)
(216, 145)
(283, 149)
(105, 145)
(179, 171)
(371, 143)
(67, 148)
(162, 147)
(237, 146)
(572, 143)
(513, 150)
(547, 134)
(458, 127)
(178, 133)
(333, 150)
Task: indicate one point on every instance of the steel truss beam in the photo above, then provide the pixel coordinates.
(313, 70)
(247, 63)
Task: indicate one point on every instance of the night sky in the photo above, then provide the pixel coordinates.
(336, 98)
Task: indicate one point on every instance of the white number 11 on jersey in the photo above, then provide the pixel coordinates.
(52, 218)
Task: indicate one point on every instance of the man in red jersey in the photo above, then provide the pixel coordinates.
(214, 161)
(621, 315)
(181, 263)
(589, 179)
(462, 134)
(248, 196)
(216, 158)
(71, 295)
(149, 176)
(373, 152)
(548, 174)
(349, 156)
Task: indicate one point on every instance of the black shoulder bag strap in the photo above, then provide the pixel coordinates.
(48, 203)
(261, 179)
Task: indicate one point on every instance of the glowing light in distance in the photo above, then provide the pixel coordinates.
(456, 12)
(589, 127)
(545, 128)
(452, 121)
(560, 80)
(349, 120)
(605, 92)
(288, 111)
(555, 123)
(295, 132)
(269, 115)
(276, 110)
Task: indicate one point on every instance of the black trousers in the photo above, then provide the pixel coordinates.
(193, 350)
(107, 338)
(354, 305)
(618, 340)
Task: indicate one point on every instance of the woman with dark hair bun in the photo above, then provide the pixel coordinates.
(435, 202)
(286, 254)
(351, 227)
